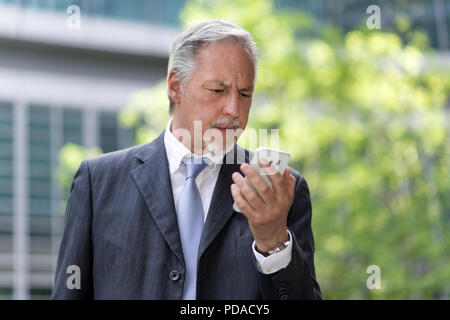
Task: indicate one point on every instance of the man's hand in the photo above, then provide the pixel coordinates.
(266, 209)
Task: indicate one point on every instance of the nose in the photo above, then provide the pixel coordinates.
(231, 107)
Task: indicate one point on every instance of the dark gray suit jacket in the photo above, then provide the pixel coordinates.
(121, 231)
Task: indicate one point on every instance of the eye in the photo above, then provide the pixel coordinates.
(245, 95)
(216, 90)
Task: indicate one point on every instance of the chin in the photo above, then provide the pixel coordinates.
(218, 149)
(219, 140)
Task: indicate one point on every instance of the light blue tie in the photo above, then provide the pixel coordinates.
(190, 223)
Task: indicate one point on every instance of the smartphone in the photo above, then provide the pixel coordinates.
(279, 160)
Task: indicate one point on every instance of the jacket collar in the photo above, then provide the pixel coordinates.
(152, 178)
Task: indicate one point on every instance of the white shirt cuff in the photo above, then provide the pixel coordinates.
(274, 262)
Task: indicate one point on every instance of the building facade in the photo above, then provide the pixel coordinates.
(57, 85)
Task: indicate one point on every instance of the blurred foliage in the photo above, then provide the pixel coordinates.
(364, 117)
(70, 158)
(147, 112)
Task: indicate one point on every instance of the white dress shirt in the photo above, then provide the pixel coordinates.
(206, 182)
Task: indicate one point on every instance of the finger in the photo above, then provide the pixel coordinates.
(245, 207)
(273, 175)
(262, 188)
(290, 180)
(247, 192)
(264, 163)
(288, 177)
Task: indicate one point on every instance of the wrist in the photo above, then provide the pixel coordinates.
(265, 248)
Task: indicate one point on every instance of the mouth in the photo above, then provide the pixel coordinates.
(224, 129)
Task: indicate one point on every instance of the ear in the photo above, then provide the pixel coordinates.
(174, 86)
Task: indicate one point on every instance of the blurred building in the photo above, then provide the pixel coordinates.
(60, 85)
(430, 16)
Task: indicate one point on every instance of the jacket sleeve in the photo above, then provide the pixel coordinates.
(73, 278)
(298, 279)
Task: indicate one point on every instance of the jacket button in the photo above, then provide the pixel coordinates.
(174, 275)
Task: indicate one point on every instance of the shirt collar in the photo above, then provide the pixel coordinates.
(176, 151)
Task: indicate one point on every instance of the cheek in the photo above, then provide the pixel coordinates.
(199, 99)
(245, 108)
(210, 106)
(244, 114)
(203, 107)
(192, 104)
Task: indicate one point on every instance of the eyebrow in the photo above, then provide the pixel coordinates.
(249, 88)
(223, 84)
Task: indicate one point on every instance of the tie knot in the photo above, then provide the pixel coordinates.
(194, 166)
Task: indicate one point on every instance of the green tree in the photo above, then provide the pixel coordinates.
(364, 117)
(70, 158)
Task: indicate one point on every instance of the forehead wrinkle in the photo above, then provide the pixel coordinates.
(219, 82)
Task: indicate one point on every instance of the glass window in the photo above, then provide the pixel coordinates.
(6, 199)
(72, 126)
(145, 11)
(48, 130)
(112, 136)
(108, 131)
(39, 293)
(6, 293)
(6, 153)
(131, 9)
(39, 164)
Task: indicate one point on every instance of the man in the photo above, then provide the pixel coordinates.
(156, 221)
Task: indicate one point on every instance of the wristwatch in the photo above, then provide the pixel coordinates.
(281, 246)
(278, 248)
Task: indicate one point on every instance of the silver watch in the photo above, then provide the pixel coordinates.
(281, 246)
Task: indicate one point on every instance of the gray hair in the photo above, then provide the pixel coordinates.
(187, 44)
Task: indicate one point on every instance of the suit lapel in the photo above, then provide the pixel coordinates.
(152, 178)
(221, 207)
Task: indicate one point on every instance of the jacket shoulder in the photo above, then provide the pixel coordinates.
(115, 158)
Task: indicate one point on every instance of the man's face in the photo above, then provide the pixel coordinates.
(218, 93)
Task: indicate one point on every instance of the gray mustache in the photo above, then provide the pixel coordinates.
(233, 123)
